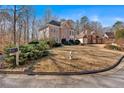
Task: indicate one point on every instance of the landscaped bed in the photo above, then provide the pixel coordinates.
(84, 58)
(28, 54)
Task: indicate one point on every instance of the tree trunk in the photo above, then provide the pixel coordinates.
(14, 25)
(27, 30)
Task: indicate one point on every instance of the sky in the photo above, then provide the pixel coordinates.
(107, 15)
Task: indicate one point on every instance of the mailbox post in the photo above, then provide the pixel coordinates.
(15, 51)
(17, 55)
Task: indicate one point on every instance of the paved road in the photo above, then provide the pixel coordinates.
(113, 78)
(62, 81)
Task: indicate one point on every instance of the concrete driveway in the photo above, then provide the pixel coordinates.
(115, 79)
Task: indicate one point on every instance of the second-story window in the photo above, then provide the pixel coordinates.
(51, 30)
(70, 33)
(54, 29)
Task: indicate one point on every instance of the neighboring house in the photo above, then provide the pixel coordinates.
(82, 37)
(109, 37)
(89, 38)
(57, 31)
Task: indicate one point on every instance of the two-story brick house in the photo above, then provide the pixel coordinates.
(56, 31)
(50, 32)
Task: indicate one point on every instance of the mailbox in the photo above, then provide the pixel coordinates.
(13, 50)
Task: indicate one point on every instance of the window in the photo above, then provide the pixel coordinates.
(70, 33)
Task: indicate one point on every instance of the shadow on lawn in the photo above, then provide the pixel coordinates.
(57, 62)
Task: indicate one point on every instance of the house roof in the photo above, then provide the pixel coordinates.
(88, 34)
(82, 35)
(68, 24)
(110, 34)
(53, 22)
(43, 28)
(56, 23)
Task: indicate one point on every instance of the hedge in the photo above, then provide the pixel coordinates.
(70, 42)
(28, 52)
(113, 47)
(119, 34)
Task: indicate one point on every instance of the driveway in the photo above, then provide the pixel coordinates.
(104, 80)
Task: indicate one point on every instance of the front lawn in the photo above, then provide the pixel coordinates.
(85, 58)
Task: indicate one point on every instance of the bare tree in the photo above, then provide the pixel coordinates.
(15, 13)
(14, 23)
(35, 27)
(5, 27)
(97, 27)
(47, 15)
(77, 27)
(19, 17)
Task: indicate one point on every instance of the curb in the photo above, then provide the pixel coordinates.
(12, 72)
